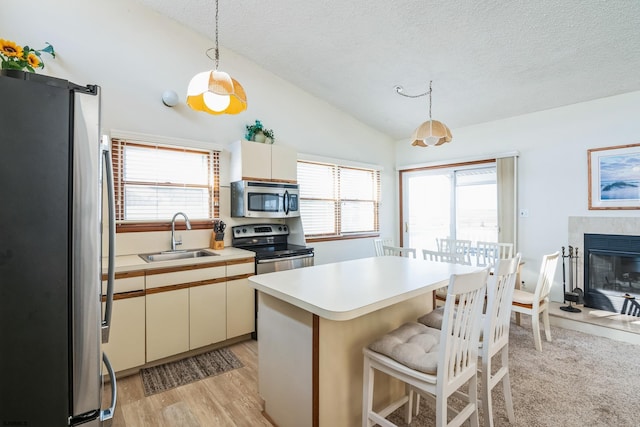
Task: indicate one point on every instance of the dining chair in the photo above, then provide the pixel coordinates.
(399, 251)
(438, 256)
(379, 243)
(494, 337)
(488, 253)
(537, 302)
(456, 246)
(431, 361)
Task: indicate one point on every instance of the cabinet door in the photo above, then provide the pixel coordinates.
(254, 160)
(207, 314)
(167, 323)
(126, 337)
(284, 163)
(240, 308)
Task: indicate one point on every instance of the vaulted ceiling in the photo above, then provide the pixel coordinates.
(488, 59)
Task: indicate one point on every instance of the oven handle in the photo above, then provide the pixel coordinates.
(272, 260)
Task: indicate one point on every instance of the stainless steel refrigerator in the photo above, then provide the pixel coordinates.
(52, 321)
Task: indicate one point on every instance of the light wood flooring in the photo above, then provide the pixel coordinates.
(228, 399)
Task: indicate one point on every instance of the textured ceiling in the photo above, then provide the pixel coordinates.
(488, 59)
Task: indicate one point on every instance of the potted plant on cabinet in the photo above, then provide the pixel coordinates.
(258, 133)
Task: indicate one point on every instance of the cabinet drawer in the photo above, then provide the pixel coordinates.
(238, 269)
(186, 276)
(126, 284)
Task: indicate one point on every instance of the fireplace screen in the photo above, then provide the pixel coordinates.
(612, 273)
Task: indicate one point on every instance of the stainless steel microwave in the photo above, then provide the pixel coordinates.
(254, 199)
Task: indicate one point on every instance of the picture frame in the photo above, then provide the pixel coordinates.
(614, 177)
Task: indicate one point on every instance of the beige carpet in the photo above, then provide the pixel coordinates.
(577, 380)
(173, 374)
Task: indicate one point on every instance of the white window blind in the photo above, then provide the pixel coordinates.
(338, 200)
(153, 182)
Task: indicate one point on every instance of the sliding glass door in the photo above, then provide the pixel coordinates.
(456, 202)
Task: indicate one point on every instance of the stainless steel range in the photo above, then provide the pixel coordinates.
(273, 252)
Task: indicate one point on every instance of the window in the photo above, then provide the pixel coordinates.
(153, 182)
(338, 201)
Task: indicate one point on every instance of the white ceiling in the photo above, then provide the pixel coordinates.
(488, 59)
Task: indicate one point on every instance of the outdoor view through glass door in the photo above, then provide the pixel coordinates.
(459, 203)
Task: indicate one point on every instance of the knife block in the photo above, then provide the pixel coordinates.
(217, 241)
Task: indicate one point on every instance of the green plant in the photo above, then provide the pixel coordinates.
(255, 128)
(16, 57)
(268, 133)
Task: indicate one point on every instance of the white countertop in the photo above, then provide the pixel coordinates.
(349, 289)
(135, 263)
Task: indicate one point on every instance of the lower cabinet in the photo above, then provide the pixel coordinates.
(167, 323)
(163, 312)
(241, 312)
(126, 344)
(207, 314)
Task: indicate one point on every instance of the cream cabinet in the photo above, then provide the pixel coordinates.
(207, 314)
(163, 312)
(169, 298)
(240, 300)
(255, 161)
(126, 346)
(167, 323)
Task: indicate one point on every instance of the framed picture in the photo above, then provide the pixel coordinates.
(614, 177)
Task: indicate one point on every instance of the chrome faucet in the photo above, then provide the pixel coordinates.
(177, 242)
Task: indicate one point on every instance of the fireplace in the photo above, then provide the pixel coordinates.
(612, 273)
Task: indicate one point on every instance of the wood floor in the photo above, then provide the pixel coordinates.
(229, 399)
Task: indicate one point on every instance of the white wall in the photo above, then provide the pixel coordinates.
(553, 175)
(135, 54)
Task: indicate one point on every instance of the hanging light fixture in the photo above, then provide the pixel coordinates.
(215, 92)
(431, 132)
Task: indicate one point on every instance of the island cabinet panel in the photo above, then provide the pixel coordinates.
(167, 323)
(126, 346)
(285, 373)
(335, 348)
(207, 314)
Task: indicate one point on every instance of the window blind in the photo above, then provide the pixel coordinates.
(153, 182)
(338, 200)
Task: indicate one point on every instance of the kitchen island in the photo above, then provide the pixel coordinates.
(313, 323)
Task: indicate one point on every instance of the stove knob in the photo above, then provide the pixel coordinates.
(244, 230)
(285, 228)
(279, 228)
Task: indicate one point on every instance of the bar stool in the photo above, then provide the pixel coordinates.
(431, 361)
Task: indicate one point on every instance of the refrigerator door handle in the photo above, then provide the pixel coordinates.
(106, 322)
(106, 415)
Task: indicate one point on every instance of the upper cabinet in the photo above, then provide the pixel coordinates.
(255, 161)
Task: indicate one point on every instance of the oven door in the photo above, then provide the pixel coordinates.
(280, 264)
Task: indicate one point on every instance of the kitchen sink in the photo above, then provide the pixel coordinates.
(175, 255)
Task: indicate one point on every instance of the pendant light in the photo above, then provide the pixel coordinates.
(431, 132)
(214, 91)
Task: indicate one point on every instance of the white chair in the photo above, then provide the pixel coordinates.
(538, 302)
(488, 253)
(399, 251)
(495, 334)
(438, 256)
(456, 246)
(379, 243)
(431, 361)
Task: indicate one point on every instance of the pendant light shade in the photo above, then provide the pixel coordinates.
(431, 132)
(214, 91)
